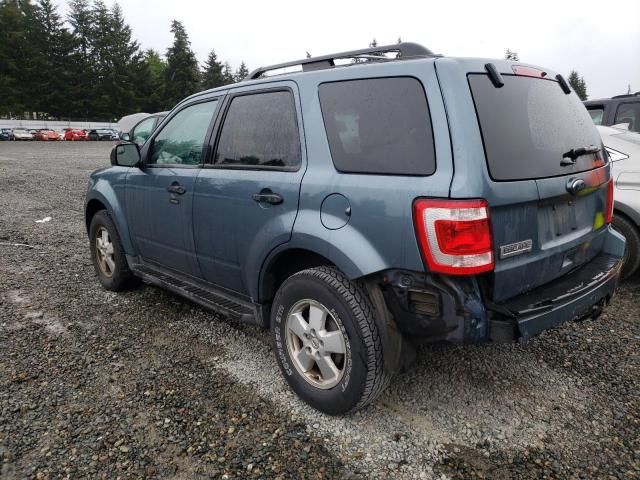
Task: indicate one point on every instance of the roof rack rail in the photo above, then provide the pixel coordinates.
(627, 95)
(405, 50)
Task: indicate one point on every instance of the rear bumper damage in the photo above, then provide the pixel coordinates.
(581, 294)
(440, 308)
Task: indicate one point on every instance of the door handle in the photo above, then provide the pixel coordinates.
(176, 188)
(267, 196)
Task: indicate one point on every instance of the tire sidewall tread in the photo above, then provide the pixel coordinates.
(365, 378)
(122, 277)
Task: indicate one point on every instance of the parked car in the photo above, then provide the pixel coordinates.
(355, 210)
(74, 134)
(5, 134)
(141, 131)
(101, 134)
(621, 110)
(46, 135)
(114, 133)
(21, 134)
(623, 148)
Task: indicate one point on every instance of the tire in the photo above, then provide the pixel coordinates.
(349, 317)
(632, 251)
(114, 274)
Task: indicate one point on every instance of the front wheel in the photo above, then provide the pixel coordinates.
(327, 342)
(107, 254)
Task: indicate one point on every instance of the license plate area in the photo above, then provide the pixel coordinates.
(564, 221)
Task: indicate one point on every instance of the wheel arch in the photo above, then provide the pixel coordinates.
(628, 213)
(283, 263)
(346, 249)
(98, 200)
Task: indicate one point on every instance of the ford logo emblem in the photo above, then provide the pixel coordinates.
(575, 186)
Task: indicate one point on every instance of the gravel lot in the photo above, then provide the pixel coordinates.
(103, 385)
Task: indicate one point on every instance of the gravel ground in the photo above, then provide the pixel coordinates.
(145, 384)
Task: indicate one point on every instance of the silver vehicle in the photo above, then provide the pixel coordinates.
(22, 134)
(623, 147)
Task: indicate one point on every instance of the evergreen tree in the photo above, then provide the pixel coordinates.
(53, 65)
(212, 76)
(81, 20)
(19, 57)
(182, 74)
(242, 72)
(126, 62)
(12, 32)
(117, 64)
(79, 91)
(151, 93)
(578, 84)
(511, 55)
(227, 74)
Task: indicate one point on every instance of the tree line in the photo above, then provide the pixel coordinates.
(88, 66)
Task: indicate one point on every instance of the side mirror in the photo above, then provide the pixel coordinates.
(125, 136)
(125, 155)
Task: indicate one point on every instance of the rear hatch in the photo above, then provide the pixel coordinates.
(546, 176)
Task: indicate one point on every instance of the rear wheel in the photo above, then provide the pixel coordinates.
(327, 342)
(632, 250)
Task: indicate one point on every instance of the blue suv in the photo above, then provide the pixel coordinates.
(367, 201)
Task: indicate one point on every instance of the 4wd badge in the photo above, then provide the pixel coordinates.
(517, 248)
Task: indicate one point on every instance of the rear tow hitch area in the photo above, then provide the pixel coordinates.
(596, 310)
(577, 296)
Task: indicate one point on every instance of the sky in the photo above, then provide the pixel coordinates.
(599, 39)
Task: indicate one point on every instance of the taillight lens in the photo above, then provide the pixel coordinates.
(609, 212)
(454, 235)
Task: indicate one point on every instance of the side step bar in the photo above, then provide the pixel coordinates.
(206, 295)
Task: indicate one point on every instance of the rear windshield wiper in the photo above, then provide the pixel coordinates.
(570, 157)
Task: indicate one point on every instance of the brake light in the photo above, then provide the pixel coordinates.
(523, 71)
(454, 235)
(609, 212)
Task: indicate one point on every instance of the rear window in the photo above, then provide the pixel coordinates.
(596, 114)
(378, 126)
(529, 124)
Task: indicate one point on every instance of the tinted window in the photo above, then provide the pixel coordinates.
(260, 130)
(378, 126)
(181, 140)
(142, 131)
(596, 114)
(529, 124)
(629, 113)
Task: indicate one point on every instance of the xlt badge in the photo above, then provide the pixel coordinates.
(516, 248)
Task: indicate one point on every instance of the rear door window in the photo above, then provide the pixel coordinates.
(260, 131)
(629, 113)
(378, 126)
(529, 124)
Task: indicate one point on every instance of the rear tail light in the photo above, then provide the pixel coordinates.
(609, 208)
(454, 235)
